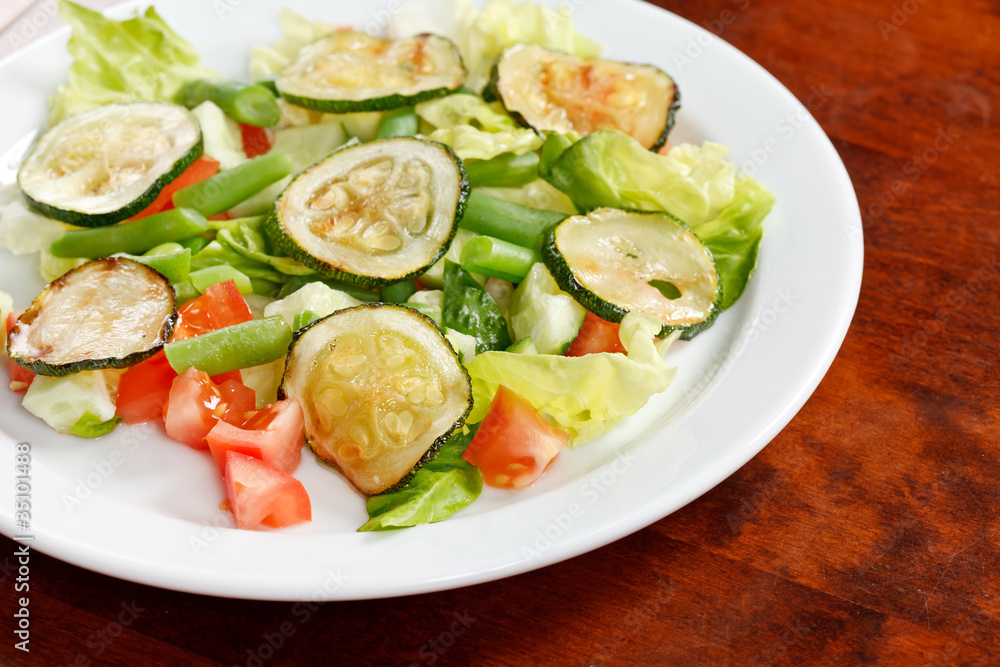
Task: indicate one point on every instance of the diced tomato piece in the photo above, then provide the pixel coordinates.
(596, 335)
(20, 377)
(222, 378)
(273, 434)
(256, 140)
(240, 400)
(194, 405)
(199, 170)
(514, 444)
(144, 389)
(260, 493)
(220, 306)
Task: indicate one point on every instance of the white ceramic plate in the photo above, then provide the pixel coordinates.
(148, 507)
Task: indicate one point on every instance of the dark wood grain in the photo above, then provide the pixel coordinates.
(865, 533)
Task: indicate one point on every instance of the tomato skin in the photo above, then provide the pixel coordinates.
(514, 444)
(144, 389)
(273, 434)
(596, 335)
(194, 405)
(20, 377)
(220, 306)
(199, 170)
(260, 493)
(256, 140)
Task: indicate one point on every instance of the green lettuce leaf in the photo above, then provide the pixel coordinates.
(90, 425)
(475, 129)
(296, 32)
(734, 236)
(610, 168)
(438, 490)
(482, 35)
(585, 396)
(469, 309)
(140, 59)
(63, 401)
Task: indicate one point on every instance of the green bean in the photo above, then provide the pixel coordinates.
(398, 292)
(184, 291)
(196, 243)
(228, 188)
(134, 237)
(303, 318)
(504, 171)
(246, 103)
(520, 225)
(232, 348)
(175, 266)
(398, 123)
(493, 257)
(202, 279)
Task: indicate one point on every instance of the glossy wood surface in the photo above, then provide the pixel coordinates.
(865, 533)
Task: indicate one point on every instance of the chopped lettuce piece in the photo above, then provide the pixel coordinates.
(541, 311)
(91, 426)
(475, 129)
(584, 396)
(610, 168)
(23, 230)
(464, 345)
(297, 31)
(537, 194)
(264, 380)
(481, 36)
(221, 135)
(734, 236)
(308, 144)
(62, 401)
(51, 267)
(316, 297)
(246, 236)
(434, 276)
(140, 59)
(428, 301)
(437, 490)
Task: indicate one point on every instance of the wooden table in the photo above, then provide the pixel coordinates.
(865, 533)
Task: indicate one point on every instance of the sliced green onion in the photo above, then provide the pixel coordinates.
(246, 103)
(232, 348)
(499, 259)
(228, 188)
(520, 225)
(202, 279)
(134, 237)
(504, 171)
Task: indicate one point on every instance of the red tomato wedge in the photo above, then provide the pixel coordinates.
(256, 140)
(596, 335)
(199, 170)
(194, 405)
(20, 377)
(514, 444)
(220, 306)
(143, 390)
(260, 493)
(273, 434)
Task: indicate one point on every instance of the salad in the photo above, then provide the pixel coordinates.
(438, 257)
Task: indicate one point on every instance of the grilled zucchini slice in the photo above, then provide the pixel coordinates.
(350, 71)
(108, 164)
(613, 262)
(374, 213)
(548, 90)
(107, 313)
(381, 389)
